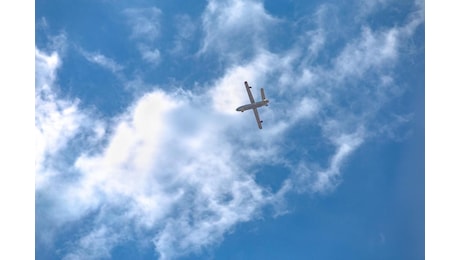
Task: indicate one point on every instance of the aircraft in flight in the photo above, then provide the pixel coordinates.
(254, 105)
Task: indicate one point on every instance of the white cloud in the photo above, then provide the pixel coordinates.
(309, 177)
(145, 22)
(101, 60)
(146, 28)
(186, 30)
(327, 179)
(95, 245)
(318, 39)
(325, 19)
(45, 68)
(371, 50)
(56, 120)
(235, 29)
(367, 7)
(305, 108)
(150, 55)
(134, 144)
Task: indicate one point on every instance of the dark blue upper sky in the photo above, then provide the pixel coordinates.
(140, 153)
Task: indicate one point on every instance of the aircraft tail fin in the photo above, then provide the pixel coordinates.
(262, 93)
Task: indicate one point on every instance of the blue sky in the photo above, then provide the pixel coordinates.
(140, 154)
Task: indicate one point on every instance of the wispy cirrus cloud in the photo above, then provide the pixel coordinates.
(94, 245)
(145, 22)
(150, 55)
(101, 60)
(365, 8)
(178, 168)
(371, 50)
(235, 29)
(146, 28)
(186, 29)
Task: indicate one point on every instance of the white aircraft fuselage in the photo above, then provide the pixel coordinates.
(253, 105)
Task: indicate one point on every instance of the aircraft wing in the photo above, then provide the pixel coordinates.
(248, 89)
(259, 122)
